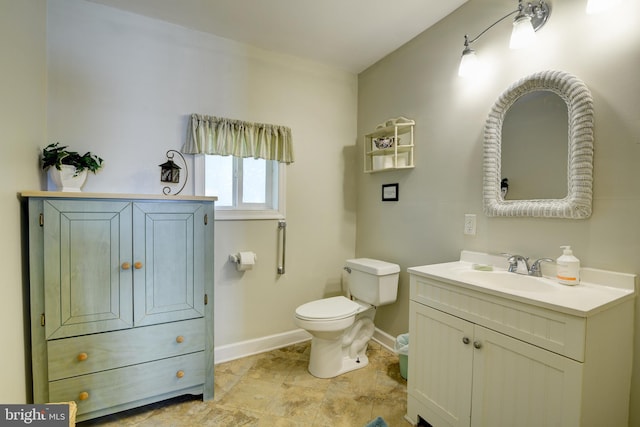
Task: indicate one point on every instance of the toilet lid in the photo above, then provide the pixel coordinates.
(327, 308)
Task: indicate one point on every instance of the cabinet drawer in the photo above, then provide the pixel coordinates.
(101, 390)
(558, 332)
(70, 357)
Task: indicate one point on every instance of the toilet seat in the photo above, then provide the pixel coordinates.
(333, 308)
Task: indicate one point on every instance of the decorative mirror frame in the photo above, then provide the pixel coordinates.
(577, 203)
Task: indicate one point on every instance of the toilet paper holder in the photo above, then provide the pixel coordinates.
(243, 260)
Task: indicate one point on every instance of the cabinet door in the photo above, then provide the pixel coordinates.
(440, 363)
(86, 290)
(518, 384)
(169, 263)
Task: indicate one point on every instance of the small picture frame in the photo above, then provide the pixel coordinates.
(390, 192)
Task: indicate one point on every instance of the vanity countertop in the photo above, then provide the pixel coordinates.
(598, 289)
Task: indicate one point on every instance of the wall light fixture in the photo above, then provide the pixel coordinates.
(598, 6)
(531, 16)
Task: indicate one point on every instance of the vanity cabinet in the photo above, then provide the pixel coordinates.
(478, 359)
(395, 138)
(121, 294)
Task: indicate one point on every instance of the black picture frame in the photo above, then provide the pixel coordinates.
(390, 192)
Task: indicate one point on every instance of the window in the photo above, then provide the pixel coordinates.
(246, 188)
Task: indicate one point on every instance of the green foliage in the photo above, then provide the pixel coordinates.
(56, 155)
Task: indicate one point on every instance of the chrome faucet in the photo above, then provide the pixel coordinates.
(517, 261)
(536, 269)
(519, 264)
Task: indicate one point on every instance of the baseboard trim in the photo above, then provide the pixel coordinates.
(384, 339)
(228, 352)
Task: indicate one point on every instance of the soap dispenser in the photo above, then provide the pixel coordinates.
(568, 272)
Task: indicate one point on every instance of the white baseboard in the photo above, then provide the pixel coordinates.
(241, 349)
(384, 339)
(228, 352)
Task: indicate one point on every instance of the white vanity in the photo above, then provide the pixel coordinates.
(493, 348)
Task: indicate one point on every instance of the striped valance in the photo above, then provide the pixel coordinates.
(217, 135)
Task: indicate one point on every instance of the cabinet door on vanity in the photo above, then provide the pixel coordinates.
(440, 365)
(519, 384)
(169, 261)
(86, 288)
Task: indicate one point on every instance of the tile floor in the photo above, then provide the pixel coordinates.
(275, 389)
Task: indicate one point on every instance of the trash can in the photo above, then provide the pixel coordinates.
(402, 348)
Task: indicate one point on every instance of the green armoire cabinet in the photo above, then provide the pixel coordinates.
(121, 295)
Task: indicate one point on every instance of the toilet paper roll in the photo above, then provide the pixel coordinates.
(246, 260)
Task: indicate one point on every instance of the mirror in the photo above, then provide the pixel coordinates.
(534, 138)
(539, 136)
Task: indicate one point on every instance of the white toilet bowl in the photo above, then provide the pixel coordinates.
(340, 330)
(340, 327)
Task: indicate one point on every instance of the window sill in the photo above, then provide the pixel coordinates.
(247, 215)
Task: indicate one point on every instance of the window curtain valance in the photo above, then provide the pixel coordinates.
(217, 135)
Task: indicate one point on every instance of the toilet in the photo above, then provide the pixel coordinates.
(341, 327)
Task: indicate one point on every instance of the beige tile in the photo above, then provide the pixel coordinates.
(273, 368)
(251, 394)
(392, 413)
(296, 403)
(300, 351)
(223, 382)
(360, 381)
(275, 389)
(390, 400)
(299, 376)
(238, 366)
(224, 416)
(390, 387)
(381, 358)
(344, 409)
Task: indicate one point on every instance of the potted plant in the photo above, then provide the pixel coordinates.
(68, 169)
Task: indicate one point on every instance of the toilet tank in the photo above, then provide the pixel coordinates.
(373, 281)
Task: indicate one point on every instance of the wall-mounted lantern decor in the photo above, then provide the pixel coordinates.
(170, 172)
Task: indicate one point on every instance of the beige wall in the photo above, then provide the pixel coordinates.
(123, 86)
(420, 81)
(22, 129)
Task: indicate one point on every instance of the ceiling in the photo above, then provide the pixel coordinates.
(348, 34)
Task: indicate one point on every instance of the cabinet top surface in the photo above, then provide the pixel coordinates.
(597, 291)
(82, 195)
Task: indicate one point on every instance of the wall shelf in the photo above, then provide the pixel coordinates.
(399, 153)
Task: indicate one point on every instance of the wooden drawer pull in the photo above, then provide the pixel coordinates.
(137, 265)
(83, 396)
(82, 357)
(180, 374)
(179, 339)
(126, 266)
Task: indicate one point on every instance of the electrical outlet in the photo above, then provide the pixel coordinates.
(470, 224)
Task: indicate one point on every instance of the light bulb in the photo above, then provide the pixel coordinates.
(523, 33)
(598, 6)
(468, 63)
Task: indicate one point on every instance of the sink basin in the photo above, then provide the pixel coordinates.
(597, 289)
(500, 279)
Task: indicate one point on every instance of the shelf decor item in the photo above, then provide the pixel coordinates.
(170, 172)
(383, 150)
(68, 169)
(385, 142)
